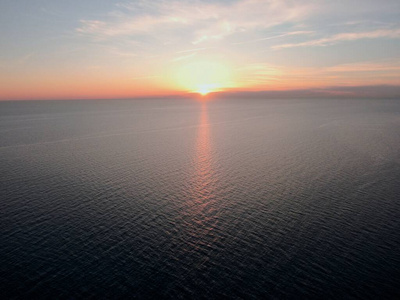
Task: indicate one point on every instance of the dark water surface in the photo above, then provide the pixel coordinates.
(183, 199)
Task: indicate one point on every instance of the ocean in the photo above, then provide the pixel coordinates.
(188, 199)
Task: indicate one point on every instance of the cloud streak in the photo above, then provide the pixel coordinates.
(188, 56)
(366, 67)
(264, 74)
(293, 33)
(343, 37)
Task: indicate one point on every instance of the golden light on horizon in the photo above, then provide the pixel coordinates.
(204, 77)
(204, 91)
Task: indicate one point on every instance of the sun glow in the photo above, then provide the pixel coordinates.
(203, 91)
(204, 77)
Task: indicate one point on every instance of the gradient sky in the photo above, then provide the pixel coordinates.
(51, 49)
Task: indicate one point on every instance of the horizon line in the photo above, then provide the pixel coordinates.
(384, 91)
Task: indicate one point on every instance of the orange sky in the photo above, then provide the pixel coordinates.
(112, 49)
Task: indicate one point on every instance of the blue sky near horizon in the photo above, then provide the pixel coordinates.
(88, 48)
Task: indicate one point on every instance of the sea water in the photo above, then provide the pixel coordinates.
(244, 198)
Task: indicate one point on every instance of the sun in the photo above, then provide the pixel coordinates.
(203, 91)
(204, 77)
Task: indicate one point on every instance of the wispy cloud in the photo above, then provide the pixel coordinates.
(342, 37)
(367, 67)
(192, 50)
(293, 33)
(201, 21)
(369, 72)
(184, 57)
(179, 24)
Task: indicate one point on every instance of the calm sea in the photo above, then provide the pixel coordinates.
(186, 199)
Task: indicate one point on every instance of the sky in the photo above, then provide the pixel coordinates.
(56, 49)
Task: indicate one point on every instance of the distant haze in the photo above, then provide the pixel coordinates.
(380, 91)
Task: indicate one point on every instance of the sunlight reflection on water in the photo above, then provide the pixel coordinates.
(204, 207)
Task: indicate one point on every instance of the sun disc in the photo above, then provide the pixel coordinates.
(203, 92)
